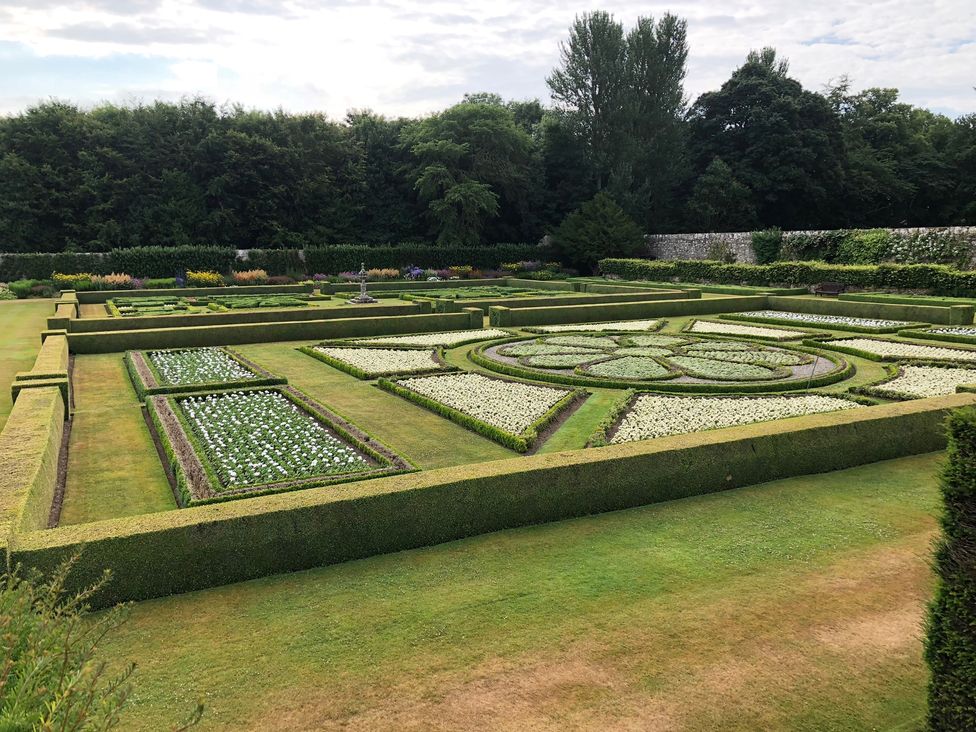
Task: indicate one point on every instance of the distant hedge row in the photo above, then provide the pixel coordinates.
(170, 261)
(935, 278)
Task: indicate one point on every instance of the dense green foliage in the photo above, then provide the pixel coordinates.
(950, 645)
(766, 245)
(595, 229)
(760, 151)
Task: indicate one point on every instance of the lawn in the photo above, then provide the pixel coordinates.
(794, 605)
(21, 322)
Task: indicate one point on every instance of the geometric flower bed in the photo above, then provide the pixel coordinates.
(258, 441)
(368, 363)
(509, 412)
(647, 416)
(172, 305)
(881, 350)
(917, 382)
(841, 322)
(956, 330)
(193, 369)
(615, 326)
(711, 327)
(682, 363)
(448, 340)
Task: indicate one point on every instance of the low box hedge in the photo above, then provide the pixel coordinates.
(261, 377)
(25, 382)
(927, 334)
(898, 299)
(351, 287)
(507, 317)
(545, 302)
(849, 327)
(90, 297)
(30, 445)
(178, 551)
(954, 315)
(225, 335)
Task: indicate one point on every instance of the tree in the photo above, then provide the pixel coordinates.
(782, 141)
(599, 228)
(470, 165)
(720, 202)
(950, 643)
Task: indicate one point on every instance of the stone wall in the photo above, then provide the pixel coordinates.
(708, 245)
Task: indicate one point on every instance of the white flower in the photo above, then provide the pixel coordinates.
(614, 326)
(436, 339)
(898, 349)
(705, 326)
(837, 320)
(916, 382)
(384, 360)
(198, 366)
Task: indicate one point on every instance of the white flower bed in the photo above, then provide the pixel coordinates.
(198, 366)
(508, 405)
(452, 338)
(835, 320)
(375, 361)
(658, 416)
(958, 330)
(917, 382)
(258, 437)
(613, 326)
(894, 349)
(702, 326)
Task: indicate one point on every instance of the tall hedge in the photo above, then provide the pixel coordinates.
(950, 646)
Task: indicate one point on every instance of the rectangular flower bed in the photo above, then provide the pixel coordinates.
(448, 339)
(715, 327)
(368, 362)
(950, 333)
(613, 326)
(181, 370)
(833, 322)
(509, 412)
(645, 415)
(919, 381)
(230, 444)
(876, 349)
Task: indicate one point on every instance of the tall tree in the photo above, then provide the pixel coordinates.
(720, 202)
(782, 141)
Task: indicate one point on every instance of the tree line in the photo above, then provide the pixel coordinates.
(760, 151)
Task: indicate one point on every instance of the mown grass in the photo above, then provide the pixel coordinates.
(21, 323)
(793, 605)
(113, 467)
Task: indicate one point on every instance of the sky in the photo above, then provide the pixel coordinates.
(414, 57)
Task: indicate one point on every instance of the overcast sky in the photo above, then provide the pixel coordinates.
(411, 57)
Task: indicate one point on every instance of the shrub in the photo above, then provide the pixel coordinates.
(382, 274)
(159, 283)
(113, 281)
(598, 228)
(79, 281)
(864, 247)
(203, 279)
(281, 280)
(950, 645)
(250, 277)
(925, 247)
(21, 288)
(766, 245)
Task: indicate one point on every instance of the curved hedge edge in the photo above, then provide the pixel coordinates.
(439, 364)
(832, 345)
(896, 369)
(928, 336)
(824, 326)
(800, 333)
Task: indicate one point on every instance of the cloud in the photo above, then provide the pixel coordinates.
(405, 57)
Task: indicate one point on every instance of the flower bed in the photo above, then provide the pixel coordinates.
(614, 326)
(917, 382)
(957, 331)
(252, 441)
(840, 322)
(649, 415)
(193, 369)
(447, 340)
(880, 350)
(509, 412)
(369, 363)
(629, 367)
(711, 368)
(711, 327)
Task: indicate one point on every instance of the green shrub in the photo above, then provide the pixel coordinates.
(598, 228)
(950, 643)
(21, 288)
(864, 247)
(766, 245)
(159, 283)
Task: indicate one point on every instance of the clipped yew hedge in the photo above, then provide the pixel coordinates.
(178, 551)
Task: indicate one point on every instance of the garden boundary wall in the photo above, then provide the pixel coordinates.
(194, 548)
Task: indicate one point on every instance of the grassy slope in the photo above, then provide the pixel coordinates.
(21, 322)
(793, 605)
(113, 468)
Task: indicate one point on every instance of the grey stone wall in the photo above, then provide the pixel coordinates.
(708, 246)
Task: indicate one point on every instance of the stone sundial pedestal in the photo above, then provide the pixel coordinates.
(362, 298)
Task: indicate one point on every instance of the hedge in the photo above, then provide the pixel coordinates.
(260, 378)
(937, 278)
(599, 285)
(440, 366)
(502, 316)
(349, 257)
(29, 448)
(891, 299)
(179, 551)
(408, 285)
(954, 315)
(950, 642)
(50, 369)
(225, 335)
(929, 335)
(544, 302)
(91, 297)
(773, 320)
(136, 322)
(834, 345)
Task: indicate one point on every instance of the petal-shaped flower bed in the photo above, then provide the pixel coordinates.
(628, 367)
(710, 368)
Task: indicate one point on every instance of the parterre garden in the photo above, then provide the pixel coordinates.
(356, 435)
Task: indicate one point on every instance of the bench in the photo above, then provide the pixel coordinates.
(829, 288)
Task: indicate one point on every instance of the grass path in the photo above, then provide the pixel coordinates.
(793, 605)
(21, 323)
(113, 468)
